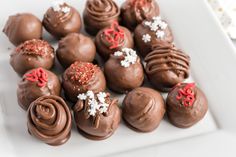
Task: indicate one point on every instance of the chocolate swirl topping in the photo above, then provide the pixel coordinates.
(49, 119)
(102, 10)
(167, 58)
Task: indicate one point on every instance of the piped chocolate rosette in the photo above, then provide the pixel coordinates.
(133, 12)
(167, 66)
(99, 14)
(186, 105)
(97, 116)
(49, 120)
(113, 38)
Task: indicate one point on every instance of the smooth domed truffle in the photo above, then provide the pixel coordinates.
(133, 12)
(49, 120)
(151, 33)
(36, 83)
(62, 19)
(32, 54)
(22, 27)
(75, 47)
(186, 104)
(124, 71)
(113, 38)
(81, 77)
(167, 66)
(97, 116)
(99, 14)
(143, 109)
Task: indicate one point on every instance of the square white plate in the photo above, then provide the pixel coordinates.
(196, 32)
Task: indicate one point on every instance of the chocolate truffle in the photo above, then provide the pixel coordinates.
(61, 19)
(97, 116)
(134, 12)
(22, 27)
(124, 71)
(113, 38)
(49, 120)
(75, 47)
(81, 77)
(36, 83)
(99, 14)
(151, 33)
(167, 66)
(32, 54)
(143, 109)
(186, 104)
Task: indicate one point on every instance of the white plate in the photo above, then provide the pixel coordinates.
(196, 31)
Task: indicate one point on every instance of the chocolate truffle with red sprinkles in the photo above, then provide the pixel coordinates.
(81, 77)
(36, 83)
(186, 105)
(32, 54)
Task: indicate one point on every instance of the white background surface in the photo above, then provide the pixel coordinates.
(213, 62)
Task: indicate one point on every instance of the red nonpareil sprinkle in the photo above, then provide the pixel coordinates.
(81, 72)
(34, 46)
(186, 94)
(38, 75)
(114, 35)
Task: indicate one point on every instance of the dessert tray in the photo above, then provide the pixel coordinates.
(197, 32)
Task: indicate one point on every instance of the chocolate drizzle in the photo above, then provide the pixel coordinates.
(49, 119)
(167, 58)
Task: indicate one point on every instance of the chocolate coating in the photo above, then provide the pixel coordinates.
(167, 66)
(75, 47)
(81, 77)
(29, 90)
(146, 47)
(143, 109)
(99, 14)
(101, 125)
(22, 27)
(133, 12)
(185, 116)
(32, 54)
(59, 23)
(123, 79)
(106, 45)
(49, 120)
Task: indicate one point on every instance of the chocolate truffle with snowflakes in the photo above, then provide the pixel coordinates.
(124, 71)
(75, 47)
(166, 66)
(61, 19)
(81, 77)
(99, 14)
(186, 105)
(143, 109)
(152, 32)
(36, 83)
(113, 38)
(134, 12)
(22, 27)
(97, 116)
(32, 54)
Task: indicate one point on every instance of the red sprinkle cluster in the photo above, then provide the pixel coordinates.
(188, 93)
(34, 46)
(81, 72)
(38, 75)
(114, 35)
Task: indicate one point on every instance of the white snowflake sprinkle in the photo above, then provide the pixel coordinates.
(103, 107)
(56, 5)
(90, 94)
(124, 63)
(65, 10)
(101, 97)
(146, 38)
(156, 18)
(160, 34)
(82, 97)
(118, 53)
(130, 57)
(154, 26)
(163, 25)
